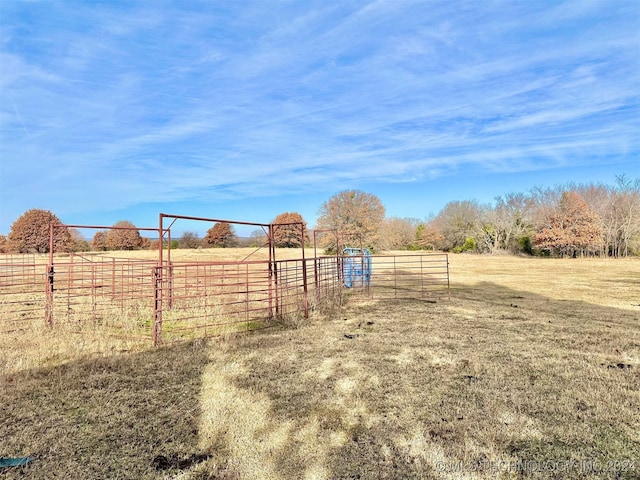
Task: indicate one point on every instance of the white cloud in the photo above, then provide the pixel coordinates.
(153, 102)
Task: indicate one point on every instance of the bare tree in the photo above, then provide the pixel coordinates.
(544, 203)
(258, 238)
(511, 220)
(625, 217)
(78, 242)
(190, 240)
(461, 224)
(356, 215)
(398, 233)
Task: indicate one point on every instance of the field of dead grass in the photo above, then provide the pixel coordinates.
(215, 254)
(531, 370)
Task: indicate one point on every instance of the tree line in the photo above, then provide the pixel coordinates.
(30, 233)
(567, 221)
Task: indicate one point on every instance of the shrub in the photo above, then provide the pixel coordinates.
(469, 245)
(525, 244)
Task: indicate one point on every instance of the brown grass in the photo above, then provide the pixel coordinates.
(214, 254)
(532, 370)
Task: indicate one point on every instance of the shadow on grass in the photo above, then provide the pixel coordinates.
(495, 383)
(127, 416)
(396, 390)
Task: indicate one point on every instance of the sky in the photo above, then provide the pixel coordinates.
(242, 110)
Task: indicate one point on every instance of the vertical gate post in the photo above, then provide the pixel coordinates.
(157, 306)
(273, 274)
(170, 269)
(170, 283)
(49, 293)
(50, 278)
(315, 263)
(305, 286)
(157, 287)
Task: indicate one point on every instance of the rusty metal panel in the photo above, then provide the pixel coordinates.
(142, 299)
(110, 293)
(22, 294)
(212, 298)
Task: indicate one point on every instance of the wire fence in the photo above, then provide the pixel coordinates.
(144, 299)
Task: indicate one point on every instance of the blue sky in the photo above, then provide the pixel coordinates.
(241, 110)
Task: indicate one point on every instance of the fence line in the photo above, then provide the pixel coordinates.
(142, 299)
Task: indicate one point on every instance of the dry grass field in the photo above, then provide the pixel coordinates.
(531, 370)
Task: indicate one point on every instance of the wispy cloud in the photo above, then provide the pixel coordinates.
(111, 105)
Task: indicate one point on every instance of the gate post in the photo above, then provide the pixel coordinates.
(157, 306)
(305, 286)
(49, 282)
(49, 293)
(273, 275)
(170, 283)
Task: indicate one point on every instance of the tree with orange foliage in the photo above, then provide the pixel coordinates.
(124, 236)
(221, 235)
(356, 215)
(574, 229)
(428, 237)
(286, 233)
(99, 242)
(30, 233)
